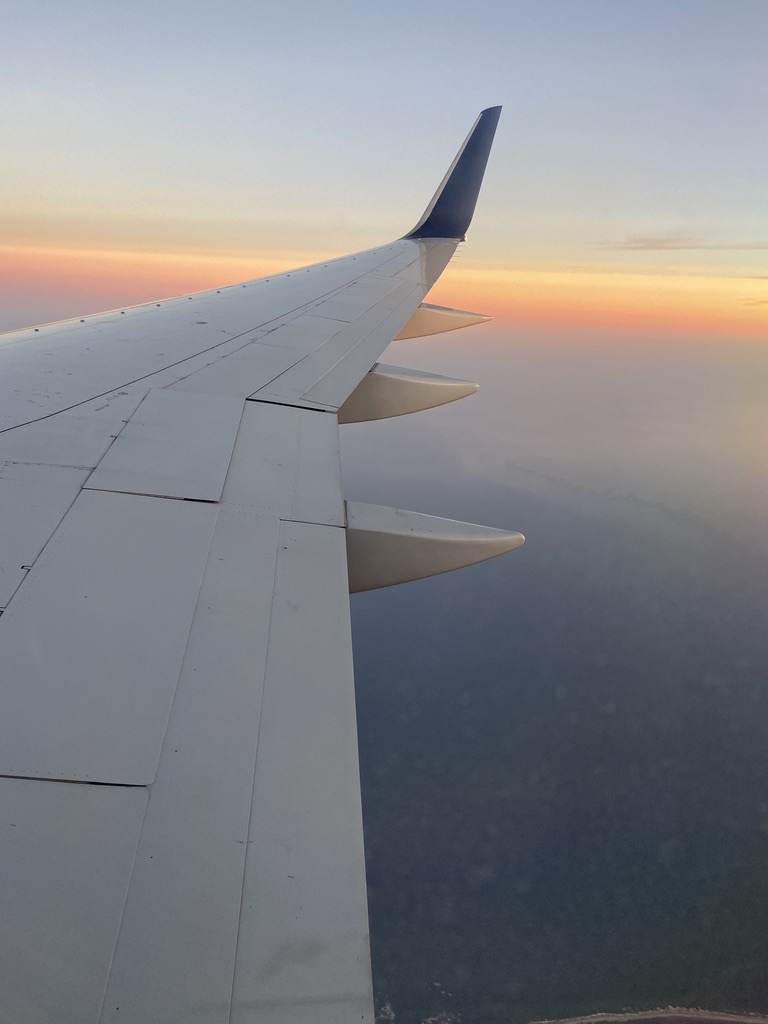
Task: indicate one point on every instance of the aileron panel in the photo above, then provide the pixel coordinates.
(286, 464)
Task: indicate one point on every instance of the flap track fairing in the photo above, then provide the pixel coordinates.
(386, 546)
(394, 391)
(430, 319)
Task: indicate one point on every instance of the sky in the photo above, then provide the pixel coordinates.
(153, 148)
(563, 751)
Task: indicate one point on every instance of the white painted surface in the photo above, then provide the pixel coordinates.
(351, 302)
(242, 373)
(78, 437)
(49, 369)
(286, 463)
(302, 333)
(175, 445)
(386, 546)
(430, 319)
(93, 641)
(33, 501)
(335, 385)
(188, 876)
(67, 856)
(303, 945)
(330, 373)
(369, 295)
(394, 391)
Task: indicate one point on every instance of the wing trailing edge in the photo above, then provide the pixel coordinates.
(387, 546)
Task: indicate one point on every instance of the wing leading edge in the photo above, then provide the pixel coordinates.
(178, 752)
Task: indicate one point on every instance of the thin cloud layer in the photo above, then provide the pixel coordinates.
(671, 240)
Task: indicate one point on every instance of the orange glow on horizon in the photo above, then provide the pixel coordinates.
(87, 280)
(611, 299)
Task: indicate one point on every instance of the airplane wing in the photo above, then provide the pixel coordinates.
(179, 786)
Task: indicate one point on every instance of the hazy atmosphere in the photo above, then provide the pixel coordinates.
(564, 751)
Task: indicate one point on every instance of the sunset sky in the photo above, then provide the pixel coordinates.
(156, 148)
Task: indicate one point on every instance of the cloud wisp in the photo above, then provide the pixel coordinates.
(671, 240)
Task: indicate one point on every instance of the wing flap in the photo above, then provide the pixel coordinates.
(67, 857)
(251, 855)
(88, 678)
(188, 877)
(286, 463)
(303, 945)
(325, 374)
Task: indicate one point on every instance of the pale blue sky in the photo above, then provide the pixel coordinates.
(620, 118)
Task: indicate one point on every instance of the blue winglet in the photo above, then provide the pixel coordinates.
(450, 212)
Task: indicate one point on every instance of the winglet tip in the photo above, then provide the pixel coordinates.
(449, 214)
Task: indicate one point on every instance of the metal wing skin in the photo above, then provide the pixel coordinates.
(180, 820)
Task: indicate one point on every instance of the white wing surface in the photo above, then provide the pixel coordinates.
(179, 788)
